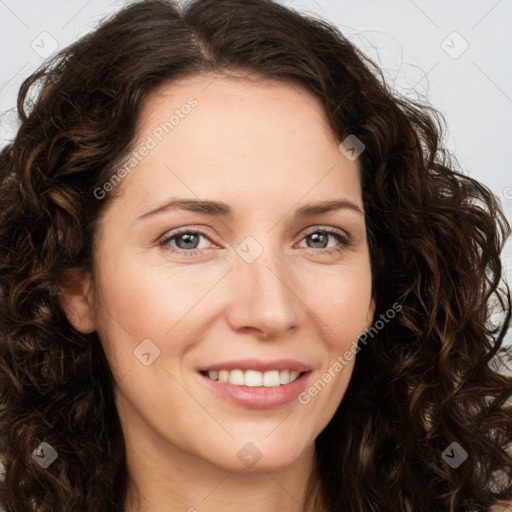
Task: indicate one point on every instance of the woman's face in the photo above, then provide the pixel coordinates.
(262, 288)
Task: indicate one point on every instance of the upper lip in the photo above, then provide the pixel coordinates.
(259, 365)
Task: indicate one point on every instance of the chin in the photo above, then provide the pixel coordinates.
(259, 455)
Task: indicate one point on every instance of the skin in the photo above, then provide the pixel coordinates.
(265, 149)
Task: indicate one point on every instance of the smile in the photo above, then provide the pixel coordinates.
(254, 378)
(258, 395)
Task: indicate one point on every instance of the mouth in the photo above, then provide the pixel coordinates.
(254, 378)
(253, 389)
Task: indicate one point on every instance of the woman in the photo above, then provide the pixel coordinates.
(322, 344)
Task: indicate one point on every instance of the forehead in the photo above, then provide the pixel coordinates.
(244, 101)
(208, 135)
(232, 87)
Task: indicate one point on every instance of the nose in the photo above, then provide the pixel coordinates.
(264, 300)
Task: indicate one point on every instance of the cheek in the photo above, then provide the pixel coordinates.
(343, 304)
(345, 311)
(148, 300)
(157, 310)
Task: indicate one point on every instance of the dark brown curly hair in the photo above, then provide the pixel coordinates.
(435, 237)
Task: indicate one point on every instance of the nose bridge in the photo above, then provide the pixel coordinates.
(264, 297)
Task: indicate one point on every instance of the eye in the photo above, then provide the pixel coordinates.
(320, 237)
(186, 241)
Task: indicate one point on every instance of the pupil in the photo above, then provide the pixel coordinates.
(317, 238)
(187, 238)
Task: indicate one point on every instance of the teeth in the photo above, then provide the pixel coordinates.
(253, 378)
(236, 377)
(284, 376)
(271, 379)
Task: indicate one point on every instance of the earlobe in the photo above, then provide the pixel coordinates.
(75, 300)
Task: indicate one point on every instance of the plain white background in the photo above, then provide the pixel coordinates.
(455, 54)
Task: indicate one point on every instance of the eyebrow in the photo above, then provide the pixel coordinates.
(208, 207)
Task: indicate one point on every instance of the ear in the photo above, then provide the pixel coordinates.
(76, 300)
(371, 313)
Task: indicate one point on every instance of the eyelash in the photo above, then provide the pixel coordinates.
(345, 241)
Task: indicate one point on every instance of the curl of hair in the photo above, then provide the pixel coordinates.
(435, 235)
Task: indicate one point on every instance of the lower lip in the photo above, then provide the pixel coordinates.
(258, 397)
